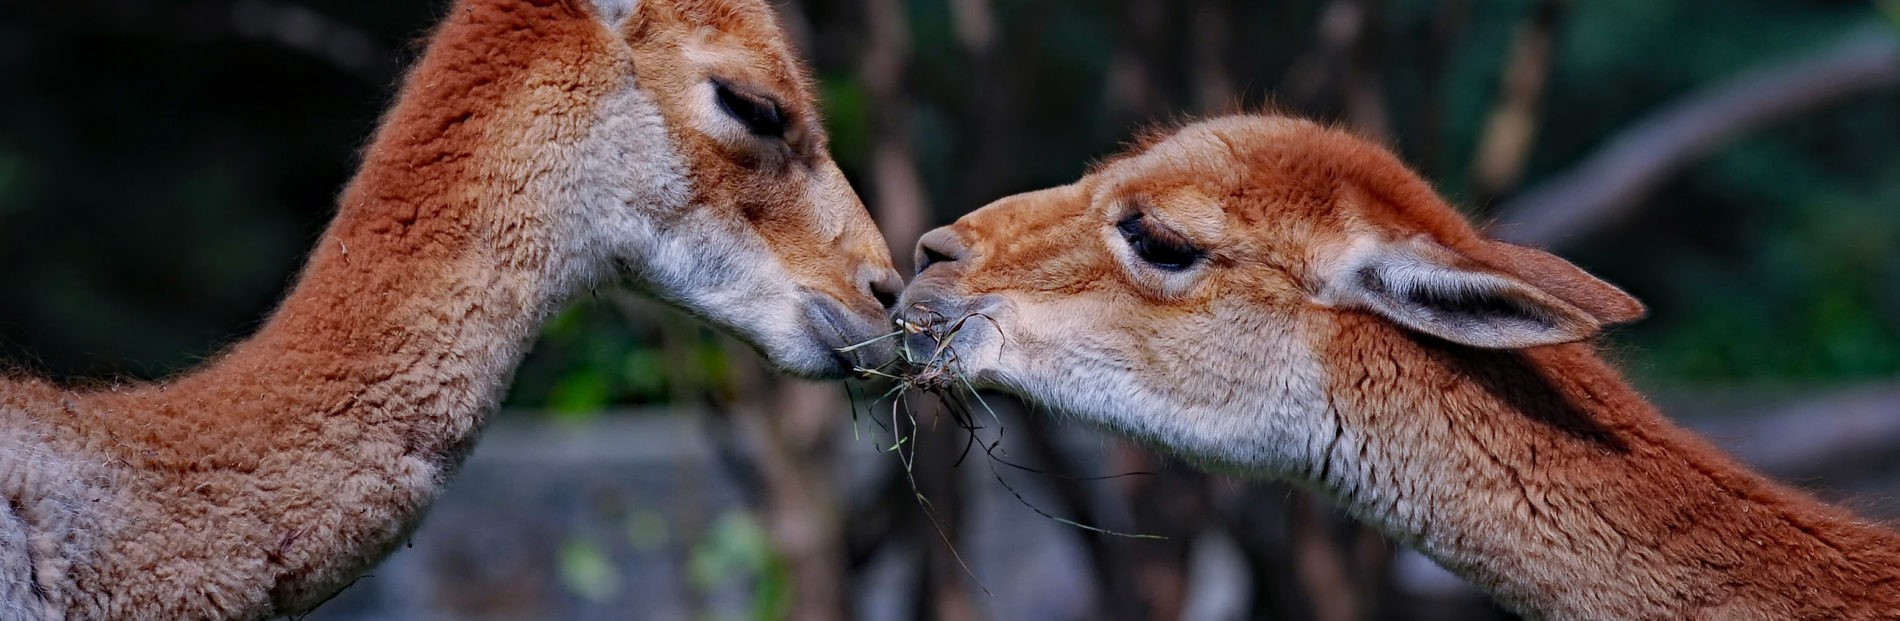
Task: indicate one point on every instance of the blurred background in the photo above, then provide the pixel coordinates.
(164, 165)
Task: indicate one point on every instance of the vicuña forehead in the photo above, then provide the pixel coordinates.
(736, 42)
(1207, 150)
(1285, 162)
(738, 34)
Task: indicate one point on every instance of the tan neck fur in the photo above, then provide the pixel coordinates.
(265, 481)
(1545, 478)
(311, 448)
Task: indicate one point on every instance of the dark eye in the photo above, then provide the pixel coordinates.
(759, 114)
(1158, 246)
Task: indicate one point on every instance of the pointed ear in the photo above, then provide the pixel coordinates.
(1608, 304)
(1428, 288)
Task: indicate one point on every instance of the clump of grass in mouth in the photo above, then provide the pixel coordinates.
(939, 373)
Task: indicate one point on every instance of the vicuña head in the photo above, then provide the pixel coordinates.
(1269, 295)
(539, 148)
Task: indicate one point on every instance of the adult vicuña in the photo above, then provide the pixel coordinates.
(1266, 294)
(538, 148)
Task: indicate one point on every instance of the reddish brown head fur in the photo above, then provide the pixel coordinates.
(1267, 294)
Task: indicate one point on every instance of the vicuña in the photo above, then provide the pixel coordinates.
(537, 149)
(1270, 295)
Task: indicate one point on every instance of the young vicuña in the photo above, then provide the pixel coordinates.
(538, 148)
(1269, 295)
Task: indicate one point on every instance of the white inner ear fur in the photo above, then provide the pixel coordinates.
(615, 12)
(1418, 285)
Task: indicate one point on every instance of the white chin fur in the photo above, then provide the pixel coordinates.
(1275, 420)
(634, 210)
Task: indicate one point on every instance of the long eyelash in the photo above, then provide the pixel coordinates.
(760, 115)
(1160, 247)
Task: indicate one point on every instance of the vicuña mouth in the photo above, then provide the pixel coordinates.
(851, 341)
(930, 355)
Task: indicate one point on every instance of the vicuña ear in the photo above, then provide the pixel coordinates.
(1425, 287)
(1550, 273)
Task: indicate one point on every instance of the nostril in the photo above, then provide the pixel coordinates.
(939, 246)
(885, 298)
(886, 288)
(932, 256)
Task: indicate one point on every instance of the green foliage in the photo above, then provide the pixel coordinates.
(586, 570)
(736, 549)
(1808, 293)
(647, 530)
(847, 117)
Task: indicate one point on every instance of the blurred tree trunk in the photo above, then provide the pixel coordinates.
(1504, 147)
(785, 463)
(1256, 515)
(901, 209)
(944, 578)
(897, 193)
(1322, 565)
(1213, 81)
(1428, 143)
(1116, 594)
(1342, 75)
(1174, 503)
(997, 98)
(1134, 92)
(797, 456)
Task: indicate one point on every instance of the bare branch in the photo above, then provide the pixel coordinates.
(299, 28)
(1608, 185)
(1820, 435)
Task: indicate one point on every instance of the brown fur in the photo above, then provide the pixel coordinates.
(264, 482)
(1538, 473)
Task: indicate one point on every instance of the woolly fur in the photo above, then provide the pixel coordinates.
(1535, 472)
(536, 150)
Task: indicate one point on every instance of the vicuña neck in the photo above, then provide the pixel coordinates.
(415, 306)
(314, 446)
(1544, 478)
